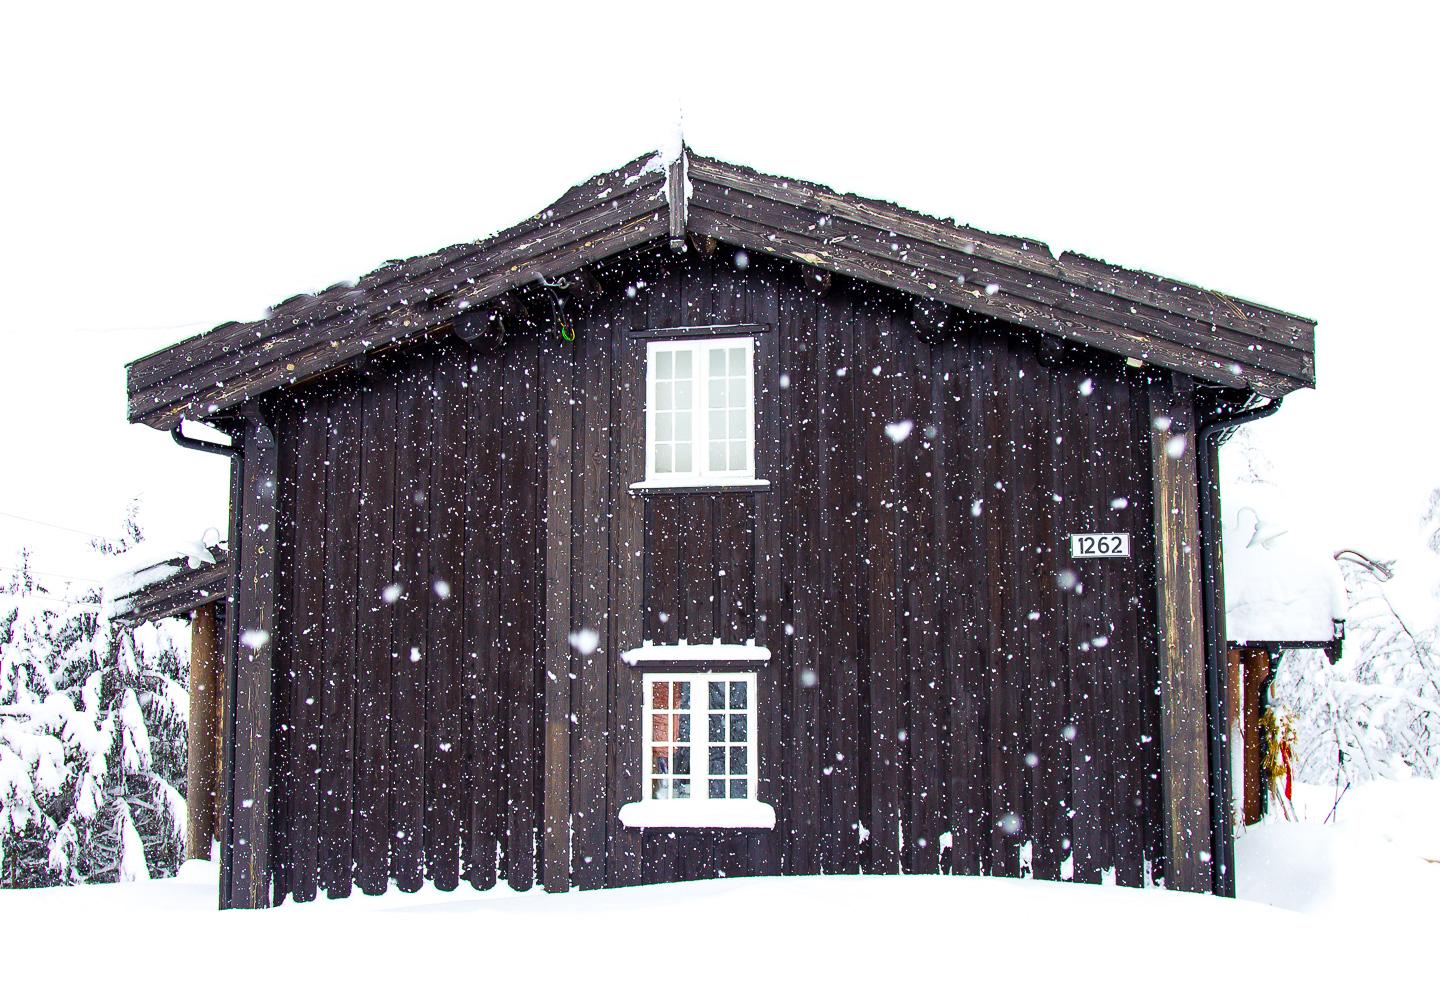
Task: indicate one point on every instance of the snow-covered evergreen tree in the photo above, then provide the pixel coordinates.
(92, 739)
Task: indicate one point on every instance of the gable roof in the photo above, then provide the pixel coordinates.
(1215, 337)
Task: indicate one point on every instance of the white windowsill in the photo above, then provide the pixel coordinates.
(688, 813)
(652, 484)
(698, 653)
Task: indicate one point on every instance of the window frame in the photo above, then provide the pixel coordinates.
(700, 742)
(699, 348)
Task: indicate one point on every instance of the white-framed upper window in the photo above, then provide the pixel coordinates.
(700, 411)
(699, 737)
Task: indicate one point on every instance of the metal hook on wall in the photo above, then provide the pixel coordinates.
(567, 332)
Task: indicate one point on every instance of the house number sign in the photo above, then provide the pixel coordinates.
(1099, 544)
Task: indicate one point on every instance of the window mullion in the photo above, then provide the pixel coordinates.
(701, 731)
(701, 398)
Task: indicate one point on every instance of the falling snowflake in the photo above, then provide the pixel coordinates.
(1087, 387)
(1175, 446)
(391, 594)
(899, 432)
(1120, 503)
(442, 589)
(808, 677)
(585, 641)
(1009, 823)
(255, 638)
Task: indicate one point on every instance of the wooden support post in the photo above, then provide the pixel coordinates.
(675, 191)
(560, 370)
(245, 872)
(200, 780)
(1185, 768)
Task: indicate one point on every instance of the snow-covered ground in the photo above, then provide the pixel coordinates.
(1321, 905)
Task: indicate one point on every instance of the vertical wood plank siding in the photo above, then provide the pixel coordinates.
(948, 690)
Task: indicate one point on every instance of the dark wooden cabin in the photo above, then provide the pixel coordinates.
(473, 614)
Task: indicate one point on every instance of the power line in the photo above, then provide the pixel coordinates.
(42, 522)
(53, 574)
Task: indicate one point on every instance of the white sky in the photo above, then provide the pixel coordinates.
(172, 169)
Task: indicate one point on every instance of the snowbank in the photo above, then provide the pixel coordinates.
(786, 931)
(1277, 589)
(1377, 861)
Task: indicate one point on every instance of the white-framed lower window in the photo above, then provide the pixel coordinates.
(699, 737)
(700, 411)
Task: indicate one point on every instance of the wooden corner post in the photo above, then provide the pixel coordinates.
(245, 842)
(559, 529)
(200, 762)
(1180, 635)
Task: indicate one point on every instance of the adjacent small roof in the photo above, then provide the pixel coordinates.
(1277, 590)
(150, 585)
(1215, 337)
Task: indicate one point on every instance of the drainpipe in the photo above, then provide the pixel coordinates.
(1222, 839)
(235, 452)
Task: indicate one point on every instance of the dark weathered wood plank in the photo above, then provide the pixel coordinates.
(444, 598)
(1180, 637)
(373, 660)
(414, 438)
(249, 825)
(592, 605)
(484, 761)
(558, 370)
(307, 627)
(338, 729)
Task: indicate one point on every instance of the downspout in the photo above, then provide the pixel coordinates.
(235, 452)
(1222, 839)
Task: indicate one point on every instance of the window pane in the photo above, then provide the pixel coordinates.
(717, 424)
(682, 787)
(664, 463)
(717, 760)
(737, 728)
(659, 759)
(737, 361)
(664, 426)
(660, 789)
(717, 394)
(737, 759)
(737, 694)
(664, 396)
(717, 456)
(682, 760)
(682, 728)
(682, 697)
(717, 695)
(717, 362)
(659, 695)
(682, 455)
(664, 364)
(682, 364)
(737, 454)
(683, 394)
(659, 728)
(738, 789)
(717, 789)
(717, 728)
(736, 428)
